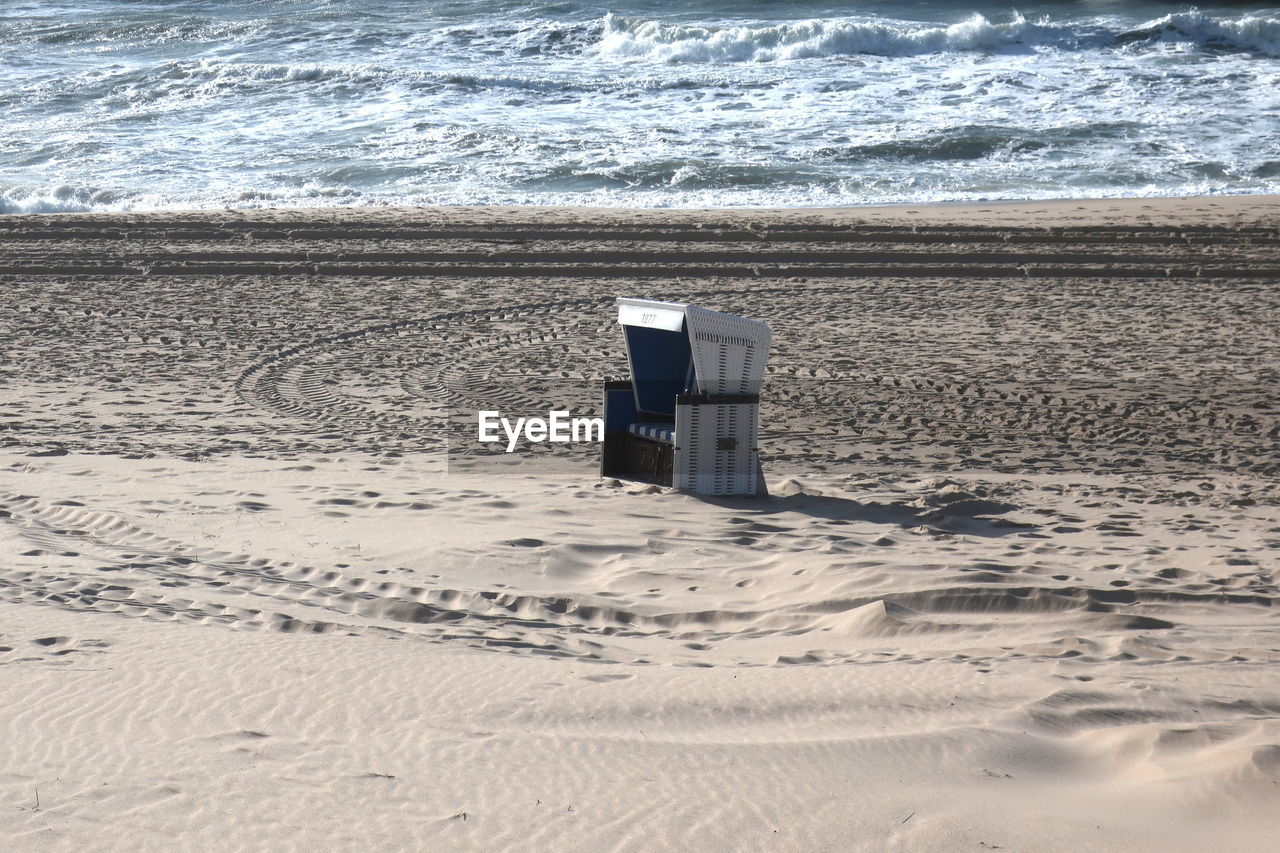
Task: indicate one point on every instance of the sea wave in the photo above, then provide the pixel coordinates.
(1250, 33)
(630, 38)
(85, 198)
(61, 198)
(625, 37)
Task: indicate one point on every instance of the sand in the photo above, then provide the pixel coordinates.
(1015, 587)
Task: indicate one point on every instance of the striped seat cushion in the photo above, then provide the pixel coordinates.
(658, 432)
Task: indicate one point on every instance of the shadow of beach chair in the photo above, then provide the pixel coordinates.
(688, 416)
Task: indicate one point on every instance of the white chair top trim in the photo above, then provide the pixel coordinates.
(729, 351)
(654, 315)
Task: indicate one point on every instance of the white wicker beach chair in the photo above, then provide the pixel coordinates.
(688, 417)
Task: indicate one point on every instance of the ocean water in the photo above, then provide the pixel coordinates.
(130, 104)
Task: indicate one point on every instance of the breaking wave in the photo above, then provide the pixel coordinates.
(630, 37)
(625, 37)
(1251, 33)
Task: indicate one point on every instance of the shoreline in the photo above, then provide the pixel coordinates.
(1158, 210)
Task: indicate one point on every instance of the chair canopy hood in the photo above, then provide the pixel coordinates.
(675, 348)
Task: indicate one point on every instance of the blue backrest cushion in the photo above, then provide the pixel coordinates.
(661, 367)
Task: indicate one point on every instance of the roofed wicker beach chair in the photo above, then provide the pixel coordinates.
(688, 416)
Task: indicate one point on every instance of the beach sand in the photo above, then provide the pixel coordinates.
(1015, 587)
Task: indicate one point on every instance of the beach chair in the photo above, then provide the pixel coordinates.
(688, 416)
